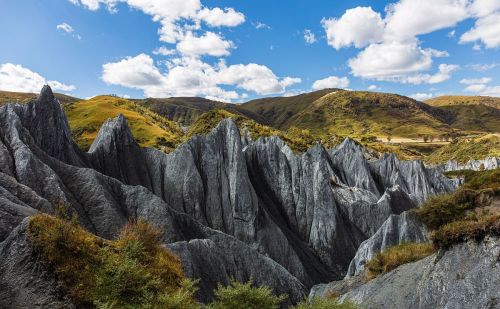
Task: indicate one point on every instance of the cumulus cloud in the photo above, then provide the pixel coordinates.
(309, 36)
(373, 87)
(179, 19)
(189, 76)
(485, 30)
(359, 27)
(409, 18)
(421, 96)
(391, 49)
(14, 77)
(217, 17)
(208, 44)
(331, 82)
(390, 61)
(443, 74)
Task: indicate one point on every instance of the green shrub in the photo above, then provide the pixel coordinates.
(395, 256)
(243, 295)
(460, 231)
(324, 303)
(442, 209)
(135, 271)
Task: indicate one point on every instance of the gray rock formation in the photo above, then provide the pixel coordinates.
(466, 276)
(489, 163)
(25, 282)
(397, 229)
(249, 208)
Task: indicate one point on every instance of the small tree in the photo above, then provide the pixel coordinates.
(426, 138)
(389, 138)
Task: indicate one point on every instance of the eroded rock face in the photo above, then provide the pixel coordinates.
(218, 198)
(25, 282)
(488, 163)
(397, 229)
(466, 276)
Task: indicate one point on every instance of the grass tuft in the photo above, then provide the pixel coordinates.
(395, 256)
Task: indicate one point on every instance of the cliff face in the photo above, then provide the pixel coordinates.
(466, 276)
(300, 218)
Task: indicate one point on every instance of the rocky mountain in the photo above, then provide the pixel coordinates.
(228, 206)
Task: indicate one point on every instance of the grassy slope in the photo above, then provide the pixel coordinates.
(14, 97)
(187, 110)
(353, 113)
(472, 113)
(465, 149)
(86, 117)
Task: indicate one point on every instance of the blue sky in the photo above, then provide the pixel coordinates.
(240, 50)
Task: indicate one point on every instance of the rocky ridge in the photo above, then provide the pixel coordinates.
(300, 217)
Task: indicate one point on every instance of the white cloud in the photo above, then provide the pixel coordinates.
(392, 51)
(484, 7)
(359, 27)
(65, 27)
(399, 62)
(217, 17)
(475, 88)
(176, 17)
(254, 77)
(421, 96)
(164, 51)
(491, 91)
(390, 61)
(258, 25)
(189, 76)
(14, 77)
(309, 36)
(208, 44)
(485, 30)
(443, 74)
(133, 72)
(482, 67)
(409, 18)
(331, 82)
(373, 87)
(482, 80)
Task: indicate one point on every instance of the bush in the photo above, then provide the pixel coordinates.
(134, 271)
(243, 295)
(442, 209)
(460, 231)
(395, 256)
(324, 303)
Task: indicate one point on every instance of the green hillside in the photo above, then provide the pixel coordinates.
(467, 148)
(149, 129)
(353, 113)
(186, 110)
(471, 113)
